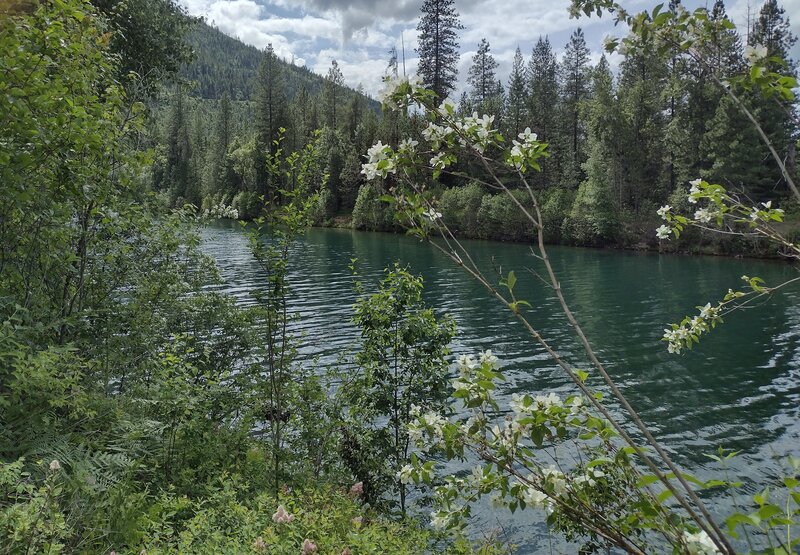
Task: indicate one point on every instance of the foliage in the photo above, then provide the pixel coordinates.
(402, 369)
(604, 495)
(438, 45)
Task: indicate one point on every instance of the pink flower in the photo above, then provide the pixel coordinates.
(281, 516)
(260, 545)
(357, 489)
(309, 547)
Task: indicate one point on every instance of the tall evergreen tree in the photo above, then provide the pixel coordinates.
(178, 155)
(542, 104)
(515, 106)
(270, 111)
(438, 46)
(642, 80)
(592, 219)
(215, 177)
(575, 85)
(739, 157)
(482, 75)
(772, 30)
(332, 94)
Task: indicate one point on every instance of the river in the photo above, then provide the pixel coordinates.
(740, 389)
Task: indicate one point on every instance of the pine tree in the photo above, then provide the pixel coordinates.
(178, 155)
(515, 106)
(438, 46)
(772, 30)
(542, 105)
(575, 87)
(270, 99)
(739, 158)
(592, 219)
(332, 94)
(215, 177)
(482, 75)
(270, 112)
(642, 80)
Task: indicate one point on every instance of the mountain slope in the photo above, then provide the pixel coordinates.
(225, 64)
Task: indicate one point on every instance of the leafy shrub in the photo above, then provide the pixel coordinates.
(591, 220)
(459, 207)
(248, 204)
(370, 212)
(499, 217)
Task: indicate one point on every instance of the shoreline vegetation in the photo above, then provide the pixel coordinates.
(760, 249)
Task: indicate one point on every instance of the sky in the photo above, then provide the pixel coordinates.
(359, 34)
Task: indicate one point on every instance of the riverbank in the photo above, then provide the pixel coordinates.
(692, 243)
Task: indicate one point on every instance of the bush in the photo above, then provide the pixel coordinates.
(499, 217)
(248, 204)
(555, 205)
(591, 221)
(370, 212)
(331, 519)
(459, 207)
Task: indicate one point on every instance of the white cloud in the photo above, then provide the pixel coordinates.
(359, 33)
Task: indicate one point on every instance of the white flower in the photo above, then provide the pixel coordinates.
(547, 401)
(755, 53)
(439, 161)
(663, 231)
(555, 477)
(700, 543)
(405, 474)
(415, 410)
(576, 404)
(664, 210)
(527, 136)
(520, 403)
(432, 214)
(377, 152)
(447, 108)
(694, 189)
(703, 215)
(476, 476)
(55, 466)
(534, 497)
(486, 357)
(439, 520)
(767, 204)
(407, 145)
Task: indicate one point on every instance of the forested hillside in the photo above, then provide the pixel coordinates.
(621, 141)
(225, 65)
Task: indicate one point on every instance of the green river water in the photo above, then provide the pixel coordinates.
(740, 389)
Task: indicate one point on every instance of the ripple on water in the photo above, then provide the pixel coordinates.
(740, 390)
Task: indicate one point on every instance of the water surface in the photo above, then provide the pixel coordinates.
(739, 390)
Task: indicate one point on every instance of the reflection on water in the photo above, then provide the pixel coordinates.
(740, 389)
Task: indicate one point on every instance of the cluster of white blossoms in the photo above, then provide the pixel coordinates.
(399, 91)
(589, 478)
(522, 150)
(755, 53)
(525, 404)
(381, 161)
(720, 205)
(219, 211)
(437, 134)
(432, 214)
(681, 336)
(700, 543)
